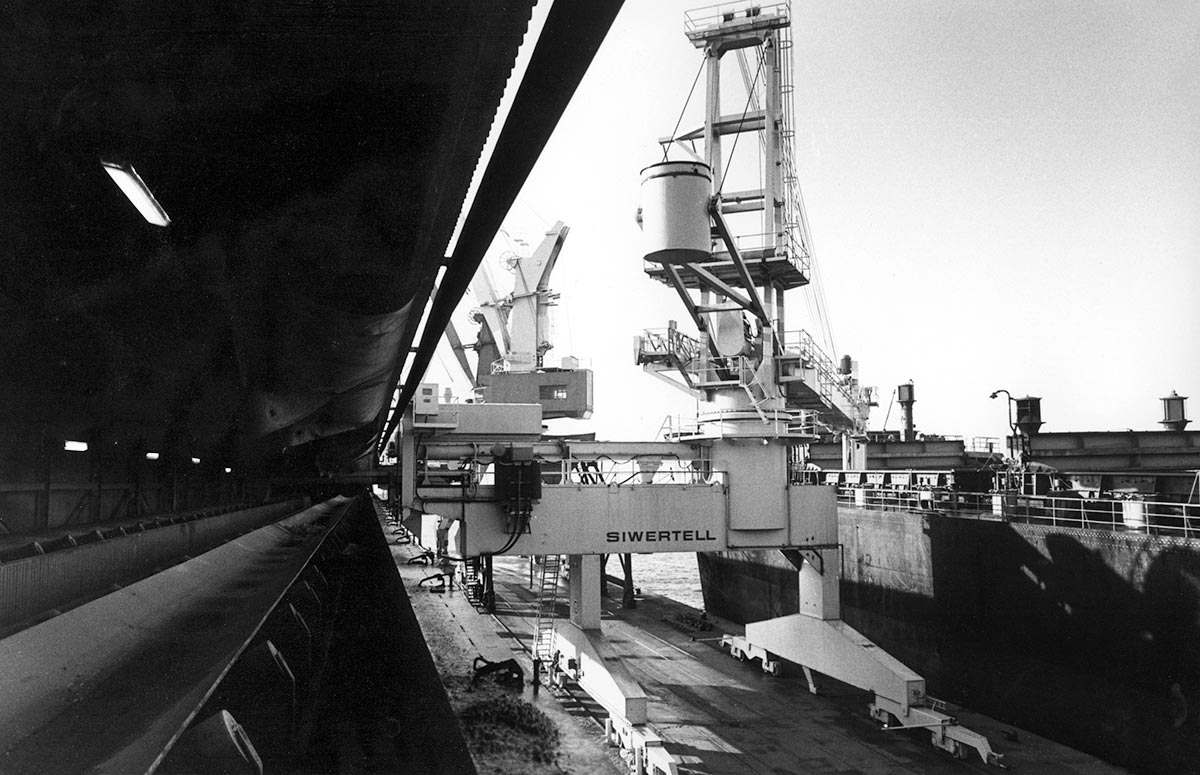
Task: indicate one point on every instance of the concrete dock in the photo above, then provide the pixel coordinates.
(714, 714)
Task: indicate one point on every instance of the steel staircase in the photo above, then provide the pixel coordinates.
(471, 583)
(543, 645)
(756, 391)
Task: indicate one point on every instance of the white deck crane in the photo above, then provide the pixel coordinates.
(515, 335)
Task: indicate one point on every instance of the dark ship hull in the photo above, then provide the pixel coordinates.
(245, 340)
(313, 161)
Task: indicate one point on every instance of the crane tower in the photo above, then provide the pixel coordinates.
(725, 228)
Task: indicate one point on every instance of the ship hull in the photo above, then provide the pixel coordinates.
(1091, 637)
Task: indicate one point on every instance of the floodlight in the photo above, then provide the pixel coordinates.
(75, 446)
(136, 191)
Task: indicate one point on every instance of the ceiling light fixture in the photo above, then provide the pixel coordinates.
(136, 191)
(75, 446)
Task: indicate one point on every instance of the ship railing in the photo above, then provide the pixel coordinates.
(960, 480)
(1157, 518)
(941, 500)
(985, 444)
(1136, 515)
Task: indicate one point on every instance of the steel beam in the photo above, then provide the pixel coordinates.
(744, 274)
(716, 285)
(569, 40)
(753, 121)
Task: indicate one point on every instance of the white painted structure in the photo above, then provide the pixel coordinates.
(729, 483)
(584, 499)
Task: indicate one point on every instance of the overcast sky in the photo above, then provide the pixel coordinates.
(1001, 195)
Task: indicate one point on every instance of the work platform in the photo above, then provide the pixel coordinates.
(713, 713)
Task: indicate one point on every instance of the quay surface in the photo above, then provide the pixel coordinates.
(715, 714)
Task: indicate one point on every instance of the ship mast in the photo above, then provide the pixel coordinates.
(731, 249)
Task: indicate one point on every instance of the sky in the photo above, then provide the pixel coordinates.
(1000, 194)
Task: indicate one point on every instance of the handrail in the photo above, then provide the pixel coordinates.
(1060, 509)
(713, 15)
(801, 343)
(710, 424)
(670, 342)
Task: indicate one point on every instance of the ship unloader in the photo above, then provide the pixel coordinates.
(510, 493)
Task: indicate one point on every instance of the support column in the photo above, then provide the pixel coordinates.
(585, 590)
(854, 453)
(712, 115)
(41, 518)
(96, 475)
(603, 571)
(767, 294)
(407, 460)
(820, 591)
(489, 589)
(773, 196)
(627, 599)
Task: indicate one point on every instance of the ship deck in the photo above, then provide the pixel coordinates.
(716, 715)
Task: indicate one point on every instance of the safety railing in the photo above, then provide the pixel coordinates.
(668, 342)
(607, 473)
(985, 444)
(514, 362)
(785, 243)
(699, 19)
(974, 505)
(1056, 509)
(711, 424)
(829, 381)
(1140, 516)
(633, 473)
(733, 371)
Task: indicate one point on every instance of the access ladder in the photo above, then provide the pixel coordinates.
(543, 644)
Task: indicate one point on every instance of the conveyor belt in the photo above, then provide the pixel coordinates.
(60, 569)
(109, 686)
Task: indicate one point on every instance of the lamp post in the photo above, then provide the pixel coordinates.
(1012, 440)
(1029, 420)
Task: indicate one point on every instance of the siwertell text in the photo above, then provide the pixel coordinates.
(617, 536)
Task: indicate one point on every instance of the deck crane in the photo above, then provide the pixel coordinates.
(515, 335)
